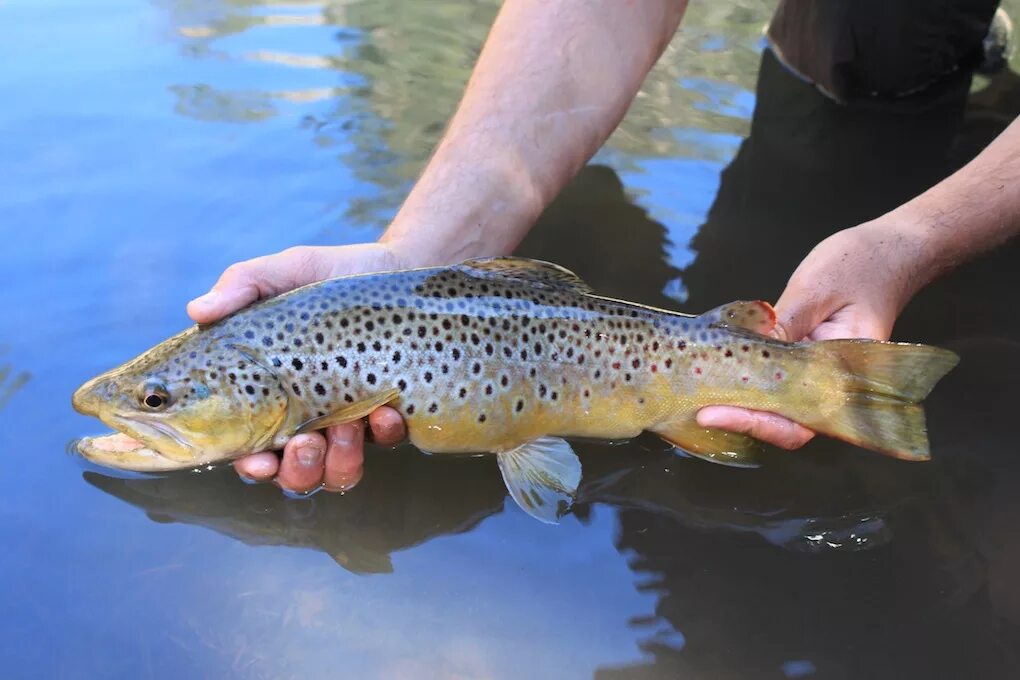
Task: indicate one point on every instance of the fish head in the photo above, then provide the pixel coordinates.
(192, 400)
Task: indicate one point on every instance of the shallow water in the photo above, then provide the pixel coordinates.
(145, 146)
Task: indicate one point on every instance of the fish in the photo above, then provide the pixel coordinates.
(507, 356)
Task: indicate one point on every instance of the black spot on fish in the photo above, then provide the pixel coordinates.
(402, 384)
(296, 363)
(519, 406)
(361, 347)
(341, 361)
(481, 418)
(428, 376)
(433, 407)
(370, 378)
(377, 346)
(319, 338)
(320, 390)
(410, 409)
(297, 389)
(249, 389)
(249, 334)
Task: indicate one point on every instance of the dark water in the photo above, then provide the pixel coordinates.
(145, 146)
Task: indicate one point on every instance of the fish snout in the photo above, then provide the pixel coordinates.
(87, 398)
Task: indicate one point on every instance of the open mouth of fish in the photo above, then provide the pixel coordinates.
(127, 452)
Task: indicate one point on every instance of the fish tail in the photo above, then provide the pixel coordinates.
(881, 387)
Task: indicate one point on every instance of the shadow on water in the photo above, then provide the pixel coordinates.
(869, 567)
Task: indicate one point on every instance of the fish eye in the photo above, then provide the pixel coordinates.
(154, 396)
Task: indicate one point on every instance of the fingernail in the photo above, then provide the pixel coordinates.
(309, 456)
(207, 300)
(259, 468)
(708, 418)
(344, 436)
(246, 479)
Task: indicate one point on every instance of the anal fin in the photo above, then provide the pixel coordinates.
(542, 476)
(712, 444)
(349, 413)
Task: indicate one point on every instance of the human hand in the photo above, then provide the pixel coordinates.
(851, 285)
(335, 460)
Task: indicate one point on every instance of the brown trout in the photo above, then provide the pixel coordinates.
(501, 355)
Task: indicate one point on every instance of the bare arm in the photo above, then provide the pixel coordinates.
(552, 83)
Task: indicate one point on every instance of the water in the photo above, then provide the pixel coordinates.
(145, 146)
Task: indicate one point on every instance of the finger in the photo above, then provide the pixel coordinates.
(239, 285)
(302, 465)
(258, 467)
(768, 427)
(387, 426)
(261, 277)
(346, 456)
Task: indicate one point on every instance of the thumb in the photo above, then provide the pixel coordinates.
(797, 316)
(238, 286)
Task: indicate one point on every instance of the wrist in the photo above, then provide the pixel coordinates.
(460, 210)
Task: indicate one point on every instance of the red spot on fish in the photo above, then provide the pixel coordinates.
(744, 379)
(655, 346)
(616, 364)
(779, 376)
(655, 368)
(697, 370)
(744, 348)
(729, 352)
(669, 363)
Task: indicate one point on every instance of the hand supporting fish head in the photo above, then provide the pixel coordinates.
(189, 401)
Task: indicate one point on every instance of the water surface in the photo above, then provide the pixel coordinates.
(145, 146)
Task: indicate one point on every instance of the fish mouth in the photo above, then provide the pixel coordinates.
(136, 446)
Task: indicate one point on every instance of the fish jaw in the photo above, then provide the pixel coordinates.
(123, 452)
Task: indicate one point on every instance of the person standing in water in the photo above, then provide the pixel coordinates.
(554, 80)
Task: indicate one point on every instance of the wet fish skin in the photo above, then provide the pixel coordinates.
(501, 355)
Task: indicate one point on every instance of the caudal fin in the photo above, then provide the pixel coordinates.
(885, 382)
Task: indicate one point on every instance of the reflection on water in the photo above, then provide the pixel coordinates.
(238, 128)
(10, 382)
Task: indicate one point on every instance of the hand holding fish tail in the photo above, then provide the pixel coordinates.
(333, 460)
(851, 285)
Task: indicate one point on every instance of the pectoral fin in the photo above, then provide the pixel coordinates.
(711, 444)
(348, 413)
(542, 476)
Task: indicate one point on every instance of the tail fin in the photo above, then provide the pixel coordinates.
(886, 380)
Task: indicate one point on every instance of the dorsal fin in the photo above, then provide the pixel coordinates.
(527, 270)
(757, 316)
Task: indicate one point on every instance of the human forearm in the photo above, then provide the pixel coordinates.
(971, 212)
(553, 81)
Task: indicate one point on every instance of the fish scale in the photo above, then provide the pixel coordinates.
(508, 356)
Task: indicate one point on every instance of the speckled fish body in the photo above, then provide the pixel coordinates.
(507, 356)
